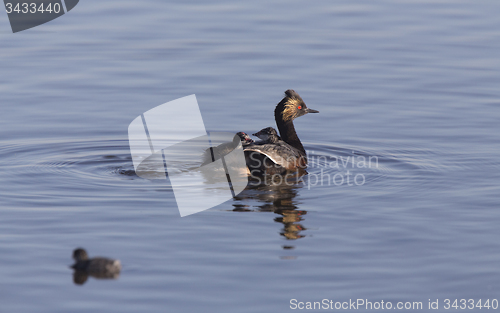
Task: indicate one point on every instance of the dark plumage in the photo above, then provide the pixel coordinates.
(275, 154)
(267, 135)
(97, 267)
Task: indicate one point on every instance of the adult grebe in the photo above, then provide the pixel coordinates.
(287, 153)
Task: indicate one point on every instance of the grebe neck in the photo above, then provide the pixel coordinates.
(289, 135)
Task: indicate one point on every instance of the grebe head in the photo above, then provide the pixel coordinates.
(80, 255)
(291, 107)
(245, 139)
(267, 134)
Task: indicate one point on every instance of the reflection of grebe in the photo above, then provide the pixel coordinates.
(284, 155)
(278, 199)
(97, 267)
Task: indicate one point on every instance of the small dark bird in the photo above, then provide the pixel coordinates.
(267, 135)
(97, 267)
(245, 139)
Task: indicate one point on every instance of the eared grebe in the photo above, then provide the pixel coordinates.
(97, 267)
(287, 152)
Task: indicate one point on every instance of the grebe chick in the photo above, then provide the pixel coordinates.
(286, 154)
(225, 148)
(267, 135)
(98, 267)
(245, 139)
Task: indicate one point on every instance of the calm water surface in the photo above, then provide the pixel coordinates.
(411, 86)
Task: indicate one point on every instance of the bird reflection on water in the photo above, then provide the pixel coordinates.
(278, 199)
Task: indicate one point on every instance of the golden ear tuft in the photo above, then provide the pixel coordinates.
(290, 109)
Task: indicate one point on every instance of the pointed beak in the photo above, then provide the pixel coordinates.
(311, 111)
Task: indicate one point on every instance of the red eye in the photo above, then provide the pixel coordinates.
(299, 107)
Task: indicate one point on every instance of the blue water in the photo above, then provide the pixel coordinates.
(412, 85)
